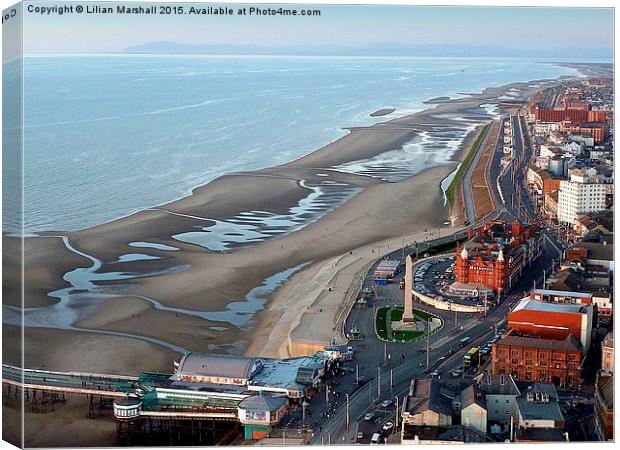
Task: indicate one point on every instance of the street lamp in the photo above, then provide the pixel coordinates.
(384, 353)
(397, 411)
(428, 337)
(304, 406)
(326, 395)
(347, 397)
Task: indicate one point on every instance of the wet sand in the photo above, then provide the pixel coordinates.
(382, 210)
(46, 261)
(63, 350)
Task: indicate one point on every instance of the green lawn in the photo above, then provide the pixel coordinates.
(464, 166)
(381, 327)
(396, 314)
(422, 314)
(406, 335)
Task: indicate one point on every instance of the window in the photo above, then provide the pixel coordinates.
(543, 377)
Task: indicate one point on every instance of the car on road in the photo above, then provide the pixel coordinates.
(360, 435)
(456, 372)
(369, 416)
(376, 437)
(435, 373)
(388, 426)
(386, 403)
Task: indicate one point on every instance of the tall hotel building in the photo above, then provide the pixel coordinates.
(581, 194)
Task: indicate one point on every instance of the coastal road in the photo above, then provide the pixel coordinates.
(466, 182)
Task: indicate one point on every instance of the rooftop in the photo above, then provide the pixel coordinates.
(561, 293)
(388, 264)
(602, 251)
(262, 403)
(472, 394)
(539, 401)
(424, 395)
(228, 366)
(284, 373)
(570, 344)
(496, 384)
(528, 304)
(509, 238)
(455, 433)
(605, 389)
(540, 435)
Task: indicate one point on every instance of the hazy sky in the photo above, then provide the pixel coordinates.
(524, 28)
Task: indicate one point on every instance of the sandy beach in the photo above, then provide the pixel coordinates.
(197, 279)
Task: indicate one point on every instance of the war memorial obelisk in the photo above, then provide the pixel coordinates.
(408, 303)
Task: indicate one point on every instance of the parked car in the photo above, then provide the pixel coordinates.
(386, 403)
(360, 435)
(369, 416)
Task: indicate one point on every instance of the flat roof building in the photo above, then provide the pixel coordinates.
(552, 320)
(537, 359)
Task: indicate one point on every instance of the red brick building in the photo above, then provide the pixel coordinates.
(554, 321)
(596, 130)
(496, 254)
(561, 115)
(573, 115)
(537, 359)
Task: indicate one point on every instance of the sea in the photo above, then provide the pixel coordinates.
(108, 135)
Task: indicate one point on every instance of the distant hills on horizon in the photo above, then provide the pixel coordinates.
(386, 49)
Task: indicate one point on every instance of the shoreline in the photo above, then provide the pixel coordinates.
(584, 69)
(219, 278)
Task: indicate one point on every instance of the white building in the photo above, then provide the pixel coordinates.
(545, 128)
(501, 394)
(574, 148)
(549, 151)
(474, 409)
(581, 194)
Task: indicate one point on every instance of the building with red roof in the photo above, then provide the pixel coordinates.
(536, 359)
(553, 320)
(496, 254)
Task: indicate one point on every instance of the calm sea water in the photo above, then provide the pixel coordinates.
(106, 136)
